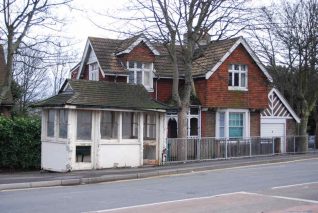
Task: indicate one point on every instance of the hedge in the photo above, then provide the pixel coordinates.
(20, 143)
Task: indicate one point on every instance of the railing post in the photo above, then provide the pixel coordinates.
(226, 148)
(294, 144)
(186, 148)
(250, 147)
(273, 142)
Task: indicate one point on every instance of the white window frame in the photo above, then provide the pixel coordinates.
(148, 124)
(198, 117)
(56, 136)
(240, 71)
(93, 74)
(246, 122)
(142, 70)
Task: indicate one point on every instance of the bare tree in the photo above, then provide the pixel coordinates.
(19, 18)
(294, 28)
(30, 73)
(172, 22)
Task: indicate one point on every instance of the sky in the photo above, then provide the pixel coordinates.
(79, 26)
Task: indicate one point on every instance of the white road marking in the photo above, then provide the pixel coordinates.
(282, 197)
(294, 185)
(164, 202)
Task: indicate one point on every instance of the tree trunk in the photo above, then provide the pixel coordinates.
(182, 133)
(316, 130)
(303, 145)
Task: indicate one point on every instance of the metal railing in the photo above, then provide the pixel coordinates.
(179, 149)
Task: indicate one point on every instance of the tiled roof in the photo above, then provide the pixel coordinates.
(103, 94)
(211, 55)
(3, 71)
(106, 50)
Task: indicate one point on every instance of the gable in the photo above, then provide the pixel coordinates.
(134, 42)
(141, 52)
(240, 41)
(278, 107)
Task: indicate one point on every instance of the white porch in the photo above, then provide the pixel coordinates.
(78, 139)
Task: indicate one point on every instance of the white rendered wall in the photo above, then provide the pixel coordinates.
(119, 155)
(54, 156)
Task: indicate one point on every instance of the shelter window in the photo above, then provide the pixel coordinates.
(84, 125)
(150, 126)
(108, 125)
(51, 123)
(129, 125)
(63, 123)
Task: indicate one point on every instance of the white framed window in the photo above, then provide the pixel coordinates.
(232, 123)
(57, 123)
(140, 73)
(237, 77)
(93, 71)
(109, 125)
(84, 125)
(63, 123)
(50, 123)
(129, 125)
(193, 119)
(150, 126)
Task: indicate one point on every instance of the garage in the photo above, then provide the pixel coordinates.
(278, 120)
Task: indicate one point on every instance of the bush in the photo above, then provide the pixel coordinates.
(20, 143)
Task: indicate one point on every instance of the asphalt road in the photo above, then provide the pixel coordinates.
(278, 187)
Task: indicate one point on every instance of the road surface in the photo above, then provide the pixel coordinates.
(280, 187)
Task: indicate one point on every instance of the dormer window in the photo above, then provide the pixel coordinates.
(141, 73)
(237, 77)
(93, 71)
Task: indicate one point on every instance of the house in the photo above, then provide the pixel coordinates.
(234, 100)
(6, 102)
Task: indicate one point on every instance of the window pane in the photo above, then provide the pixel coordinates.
(63, 123)
(108, 125)
(150, 126)
(131, 77)
(236, 132)
(222, 124)
(194, 111)
(236, 124)
(236, 79)
(147, 78)
(139, 77)
(243, 82)
(230, 79)
(243, 67)
(84, 125)
(83, 153)
(147, 66)
(131, 64)
(130, 125)
(236, 67)
(193, 127)
(139, 65)
(50, 123)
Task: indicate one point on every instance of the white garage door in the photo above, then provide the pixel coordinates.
(272, 129)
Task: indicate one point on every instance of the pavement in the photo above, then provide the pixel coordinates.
(33, 179)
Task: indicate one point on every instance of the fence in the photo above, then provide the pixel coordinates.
(178, 149)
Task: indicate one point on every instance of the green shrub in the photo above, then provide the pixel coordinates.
(20, 143)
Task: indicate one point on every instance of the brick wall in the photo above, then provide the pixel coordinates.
(140, 53)
(210, 117)
(218, 94)
(255, 124)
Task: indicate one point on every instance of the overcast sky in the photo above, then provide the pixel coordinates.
(80, 27)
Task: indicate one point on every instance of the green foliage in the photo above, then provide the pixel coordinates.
(20, 143)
